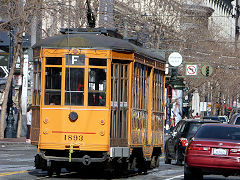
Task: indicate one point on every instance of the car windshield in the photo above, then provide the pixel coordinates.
(218, 132)
(193, 127)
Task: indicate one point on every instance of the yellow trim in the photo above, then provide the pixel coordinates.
(131, 68)
(150, 101)
(86, 82)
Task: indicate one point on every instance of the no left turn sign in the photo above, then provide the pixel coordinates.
(191, 69)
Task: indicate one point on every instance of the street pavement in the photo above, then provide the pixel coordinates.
(17, 162)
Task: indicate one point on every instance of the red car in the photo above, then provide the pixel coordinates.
(214, 149)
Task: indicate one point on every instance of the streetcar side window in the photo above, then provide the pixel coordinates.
(37, 81)
(74, 86)
(97, 87)
(53, 76)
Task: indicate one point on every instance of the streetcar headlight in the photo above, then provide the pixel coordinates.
(73, 116)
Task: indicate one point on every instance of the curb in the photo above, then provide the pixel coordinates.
(16, 146)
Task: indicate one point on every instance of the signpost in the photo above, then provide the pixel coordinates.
(191, 69)
(207, 70)
(175, 59)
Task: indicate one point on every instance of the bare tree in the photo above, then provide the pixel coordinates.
(18, 16)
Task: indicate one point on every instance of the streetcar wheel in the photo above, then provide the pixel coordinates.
(153, 162)
(142, 165)
(58, 171)
(157, 161)
(50, 172)
(133, 165)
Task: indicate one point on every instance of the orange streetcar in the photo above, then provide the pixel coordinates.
(97, 100)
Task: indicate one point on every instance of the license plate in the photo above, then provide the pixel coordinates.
(220, 152)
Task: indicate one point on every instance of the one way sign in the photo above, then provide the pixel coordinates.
(191, 69)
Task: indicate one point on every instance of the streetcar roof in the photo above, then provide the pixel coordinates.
(95, 41)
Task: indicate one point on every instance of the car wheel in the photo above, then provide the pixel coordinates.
(190, 174)
(166, 158)
(177, 157)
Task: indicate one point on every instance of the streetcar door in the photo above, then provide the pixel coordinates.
(119, 103)
(35, 125)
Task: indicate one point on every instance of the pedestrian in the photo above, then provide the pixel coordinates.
(197, 116)
(15, 110)
(172, 121)
(29, 119)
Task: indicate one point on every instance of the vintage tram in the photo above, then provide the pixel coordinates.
(97, 100)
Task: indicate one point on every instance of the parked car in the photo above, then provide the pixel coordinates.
(212, 118)
(213, 150)
(222, 119)
(176, 144)
(235, 119)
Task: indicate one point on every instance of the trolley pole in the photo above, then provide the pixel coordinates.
(10, 130)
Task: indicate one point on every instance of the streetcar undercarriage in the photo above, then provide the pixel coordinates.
(55, 160)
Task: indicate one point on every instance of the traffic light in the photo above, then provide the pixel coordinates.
(207, 71)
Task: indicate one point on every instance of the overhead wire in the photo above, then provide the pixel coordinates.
(68, 60)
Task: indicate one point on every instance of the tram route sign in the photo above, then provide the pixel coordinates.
(191, 69)
(75, 59)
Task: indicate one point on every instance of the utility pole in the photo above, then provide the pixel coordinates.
(10, 130)
(236, 25)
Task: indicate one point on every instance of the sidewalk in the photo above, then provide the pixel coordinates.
(15, 144)
(15, 140)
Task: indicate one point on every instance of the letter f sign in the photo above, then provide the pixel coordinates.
(74, 59)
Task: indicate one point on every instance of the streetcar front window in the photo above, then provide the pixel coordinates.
(74, 86)
(53, 76)
(97, 87)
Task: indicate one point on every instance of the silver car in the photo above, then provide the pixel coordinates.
(235, 119)
(223, 119)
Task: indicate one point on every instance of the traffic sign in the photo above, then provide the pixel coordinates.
(175, 59)
(207, 70)
(191, 69)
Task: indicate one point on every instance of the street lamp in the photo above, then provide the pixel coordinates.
(10, 130)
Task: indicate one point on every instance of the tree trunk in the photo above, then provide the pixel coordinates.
(214, 99)
(6, 91)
